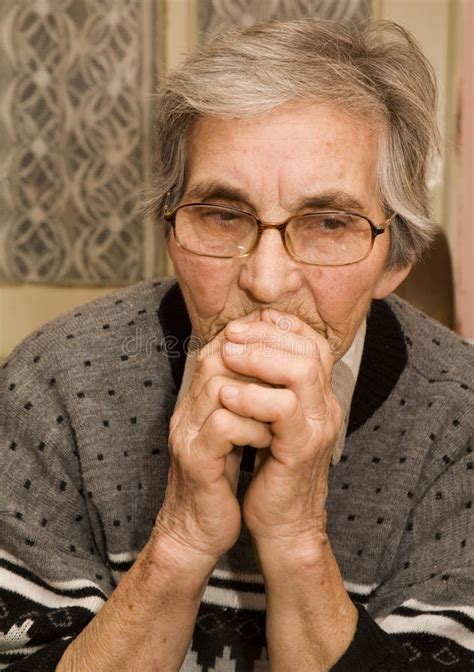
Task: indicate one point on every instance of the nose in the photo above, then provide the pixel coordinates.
(269, 274)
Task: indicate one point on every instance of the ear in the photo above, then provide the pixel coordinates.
(170, 244)
(389, 281)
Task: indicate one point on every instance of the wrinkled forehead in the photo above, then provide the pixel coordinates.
(284, 155)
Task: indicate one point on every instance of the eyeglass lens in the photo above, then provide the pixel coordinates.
(319, 238)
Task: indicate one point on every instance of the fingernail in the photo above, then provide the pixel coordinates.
(238, 327)
(229, 391)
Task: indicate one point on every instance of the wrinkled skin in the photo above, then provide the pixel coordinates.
(300, 319)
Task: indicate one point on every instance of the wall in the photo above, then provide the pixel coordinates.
(465, 246)
(437, 25)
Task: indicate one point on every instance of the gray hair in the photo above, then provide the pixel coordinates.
(375, 72)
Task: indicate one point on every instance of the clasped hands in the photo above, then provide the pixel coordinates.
(263, 381)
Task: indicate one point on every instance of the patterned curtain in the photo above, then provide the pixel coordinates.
(76, 78)
(215, 13)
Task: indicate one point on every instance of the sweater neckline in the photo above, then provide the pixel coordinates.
(176, 327)
(383, 360)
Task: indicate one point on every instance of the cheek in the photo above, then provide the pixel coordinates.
(205, 282)
(342, 294)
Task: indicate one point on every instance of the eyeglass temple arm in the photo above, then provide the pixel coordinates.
(377, 230)
(166, 207)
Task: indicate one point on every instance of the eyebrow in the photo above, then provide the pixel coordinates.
(332, 199)
(213, 191)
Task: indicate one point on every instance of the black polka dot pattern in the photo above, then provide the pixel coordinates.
(90, 449)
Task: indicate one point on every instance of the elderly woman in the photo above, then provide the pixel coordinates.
(303, 503)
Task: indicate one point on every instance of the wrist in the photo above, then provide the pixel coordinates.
(304, 553)
(310, 616)
(188, 568)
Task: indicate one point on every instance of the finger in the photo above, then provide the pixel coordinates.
(279, 407)
(203, 398)
(212, 453)
(285, 332)
(268, 335)
(213, 346)
(209, 360)
(223, 430)
(294, 438)
(305, 376)
(286, 322)
(232, 467)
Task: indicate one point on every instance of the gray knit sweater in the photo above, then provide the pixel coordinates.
(84, 409)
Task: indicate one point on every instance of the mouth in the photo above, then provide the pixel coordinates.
(284, 324)
(220, 321)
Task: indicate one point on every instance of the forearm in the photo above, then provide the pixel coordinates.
(311, 620)
(147, 623)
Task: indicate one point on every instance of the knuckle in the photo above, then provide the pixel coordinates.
(311, 370)
(289, 401)
(181, 425)
(204, 354)
(205, 364)
(174, 436)
(191, 460)
(264, 434)
(212, 387)
(184, 461)
(220, 421)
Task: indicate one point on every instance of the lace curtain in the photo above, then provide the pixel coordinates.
(76, 84)
(214, 13)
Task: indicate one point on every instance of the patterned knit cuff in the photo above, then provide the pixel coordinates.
(371, 650)
(44, 660)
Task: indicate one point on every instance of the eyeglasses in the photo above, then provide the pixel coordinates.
(323, 238)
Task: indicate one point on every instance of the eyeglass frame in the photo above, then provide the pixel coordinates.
(170, 216)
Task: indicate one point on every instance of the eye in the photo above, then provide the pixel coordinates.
(219, 216)
(333, 222)
(325, 222)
